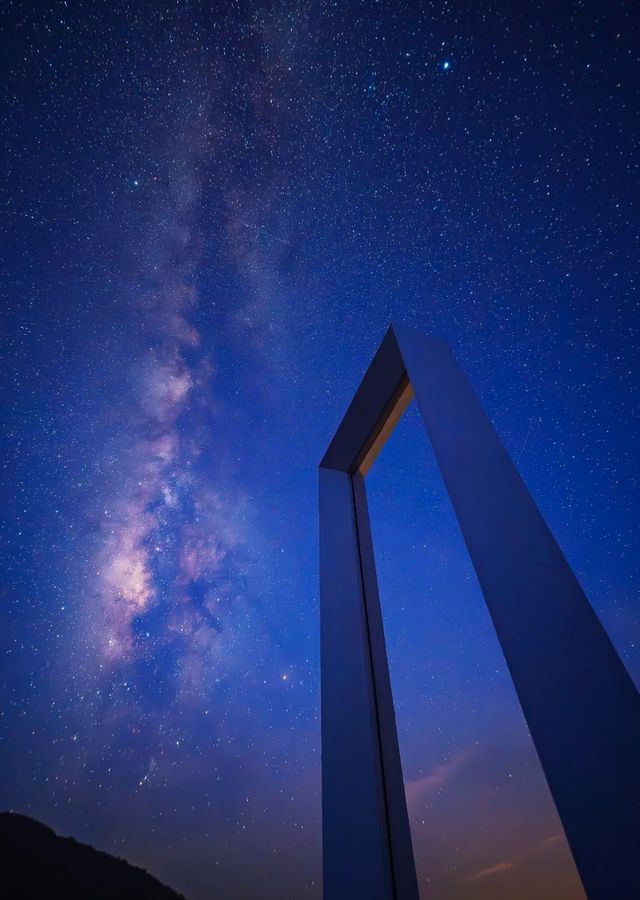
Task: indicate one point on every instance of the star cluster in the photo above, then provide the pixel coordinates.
(211, 214)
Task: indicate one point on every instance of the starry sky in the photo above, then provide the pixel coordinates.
(210, 214)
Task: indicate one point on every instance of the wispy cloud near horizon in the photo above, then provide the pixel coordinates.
(419, 789)
(491, 870)
(507, 865)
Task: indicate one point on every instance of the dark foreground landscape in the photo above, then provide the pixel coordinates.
(38, 864)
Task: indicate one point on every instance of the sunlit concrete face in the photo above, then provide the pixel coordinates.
(581, 707)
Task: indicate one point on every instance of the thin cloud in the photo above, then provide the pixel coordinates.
(420, 788)
(554, 839)
(492, 870)
(505, 866)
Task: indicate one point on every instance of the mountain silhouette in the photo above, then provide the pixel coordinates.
(37, 864)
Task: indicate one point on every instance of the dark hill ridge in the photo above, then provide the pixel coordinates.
(37, 864)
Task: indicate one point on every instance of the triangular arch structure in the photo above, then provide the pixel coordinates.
(581, 706)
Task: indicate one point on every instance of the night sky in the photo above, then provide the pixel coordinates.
(210, 215)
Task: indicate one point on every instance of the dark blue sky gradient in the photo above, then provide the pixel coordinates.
(210, 216)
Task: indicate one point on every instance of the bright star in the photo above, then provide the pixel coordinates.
(446, 65)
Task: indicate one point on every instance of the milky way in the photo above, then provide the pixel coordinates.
(166, 537)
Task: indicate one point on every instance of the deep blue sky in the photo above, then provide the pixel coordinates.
(210, 214)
